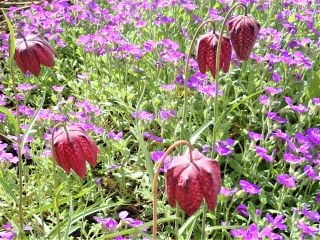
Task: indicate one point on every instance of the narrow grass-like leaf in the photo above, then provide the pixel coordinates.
(313, 89)
(69, 219)
(7, 188)
(12, 46)
(60, 202)
(191, 220)
(33, 120)
(77, 217)
(136, 229)
(11, 119)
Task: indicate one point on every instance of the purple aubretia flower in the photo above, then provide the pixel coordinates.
(307, 230)
(242, 210)
(152, 137)
(157, 155)
(248, 187)
(228, 192)
(123, 215)
(262, 152)
(115, 136)
(277, 221)
(109, 223)
(255, 136)
(286, 180)
(143, 115)
(225, 147)
(165, 114)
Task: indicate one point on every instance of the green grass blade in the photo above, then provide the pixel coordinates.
(12, 46)
(11, 119)
(137, 229)
(33, 120)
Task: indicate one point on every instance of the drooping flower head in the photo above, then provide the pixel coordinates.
(244, 30)
(31, 52)
(207, 50)
(190, 181)
(73, 148)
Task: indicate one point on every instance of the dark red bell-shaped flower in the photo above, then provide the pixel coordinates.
(189, 182)
(31, 52)
(244, 30)
(206, 53)
(72, 149)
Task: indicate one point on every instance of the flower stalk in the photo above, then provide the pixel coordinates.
(155, 181)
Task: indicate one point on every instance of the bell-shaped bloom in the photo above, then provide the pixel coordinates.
(206, 53)
(31, 52)
(188, 182)
(72, 149)
(244, 30)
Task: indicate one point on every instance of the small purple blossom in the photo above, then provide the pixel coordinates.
(311, 173)
(115, 136)
(262, 152)
(273, 91)
(168, 87)
(276, 222)
(150, 136)
(264, 100)
(165, 114)
(228, 192)
(255, 136)
(123, 215)
(143, 115)
(157, 155)
(58, 89)
(306, 229)
(109, 223)
(314, 216)
(250, 188)
(242, 210)
(26, 87)
(286, 180)
(275, 117)
(225, 147)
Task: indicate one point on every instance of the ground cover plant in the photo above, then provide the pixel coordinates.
(94, 95)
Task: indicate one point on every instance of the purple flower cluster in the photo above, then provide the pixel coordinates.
(111, 224)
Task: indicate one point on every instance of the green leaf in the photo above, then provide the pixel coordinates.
(8, 188)
(137, 229)
(12, 37)
(11, 118)
(314, 85)
(33, 120)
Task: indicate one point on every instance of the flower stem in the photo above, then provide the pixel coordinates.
(216, 110)
(155, 181)
(19, 151)
(55, 179)
(186, 72)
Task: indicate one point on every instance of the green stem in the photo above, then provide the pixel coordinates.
(186, 75)
(216, 110)
(55, 196)
(19, 150)
(155, 181)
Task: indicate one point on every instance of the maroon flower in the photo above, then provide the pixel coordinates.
(72, 149)
(243, 31)
(32, 51)
(189, 182)
(206, 53)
